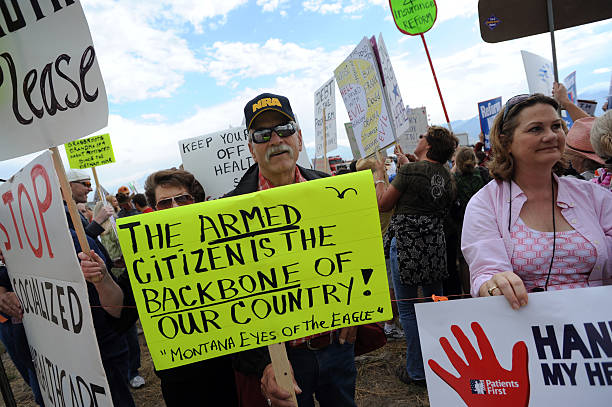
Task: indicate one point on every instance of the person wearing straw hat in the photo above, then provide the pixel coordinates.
(579, 152)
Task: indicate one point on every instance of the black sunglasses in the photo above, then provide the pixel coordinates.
(264, 135)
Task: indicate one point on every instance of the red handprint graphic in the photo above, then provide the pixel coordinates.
(484, 382)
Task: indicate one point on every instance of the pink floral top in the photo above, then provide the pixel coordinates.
(574, 259)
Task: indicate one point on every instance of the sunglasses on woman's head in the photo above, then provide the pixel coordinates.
(183, 199)
(264, 135)
(513, 101)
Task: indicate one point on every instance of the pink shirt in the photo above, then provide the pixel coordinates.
(486, 242)
(574, 258)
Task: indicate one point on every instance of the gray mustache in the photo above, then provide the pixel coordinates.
(280, 148)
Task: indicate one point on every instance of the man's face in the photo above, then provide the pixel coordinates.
(278, 155)
(80, 190)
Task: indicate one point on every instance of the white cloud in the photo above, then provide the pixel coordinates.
(270, 5)
(138, 60)
(155, 117)
(602, 70)
(447, 9)
(238, 60)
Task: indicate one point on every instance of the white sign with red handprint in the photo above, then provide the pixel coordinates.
(557, 350)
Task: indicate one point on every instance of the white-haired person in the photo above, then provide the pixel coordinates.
(531, 230)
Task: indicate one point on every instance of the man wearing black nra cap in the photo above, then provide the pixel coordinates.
(323, 364)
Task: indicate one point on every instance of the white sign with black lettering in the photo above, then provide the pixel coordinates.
(394, 96)
(46, 276)
(416, 124)
(51, 89)
(218, 160)
(555, 351)
(325, 100)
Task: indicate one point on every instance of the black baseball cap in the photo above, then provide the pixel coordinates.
(265, 102)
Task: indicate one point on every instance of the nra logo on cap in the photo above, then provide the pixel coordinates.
(265, 102)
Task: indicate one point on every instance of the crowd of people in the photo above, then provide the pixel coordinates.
(531, 214)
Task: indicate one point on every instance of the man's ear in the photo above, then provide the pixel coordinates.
(300, 140)
(252, 151)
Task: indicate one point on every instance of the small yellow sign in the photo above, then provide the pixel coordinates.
(90, 152)
(239, 273)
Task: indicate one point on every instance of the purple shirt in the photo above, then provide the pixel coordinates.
(486, 243)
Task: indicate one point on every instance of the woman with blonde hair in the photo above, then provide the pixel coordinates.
(531, 230)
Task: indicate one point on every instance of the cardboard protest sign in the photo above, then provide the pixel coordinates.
(487, 111)
(361, 89)
(52, 91)
(248, 271)
(352, 142)
(464, 139)
(550, 352)
(46, 276)
(90, 152)
(416, 124)
(325, 98)
(394, 97)
(588, 106)
(539, 73)
(415, 16)
(218, 160)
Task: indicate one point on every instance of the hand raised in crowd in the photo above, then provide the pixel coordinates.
(605, 106)
(105, 212)
(275, 395)
(9, 304)
(402, 159)
(559, 92)
(93, 267)
(507, 284)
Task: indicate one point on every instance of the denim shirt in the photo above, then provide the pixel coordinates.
(486, 243)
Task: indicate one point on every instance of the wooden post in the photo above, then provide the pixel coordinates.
(327, 167)
(282, 369)
(436, 81)
(72, 210)
(100, 195)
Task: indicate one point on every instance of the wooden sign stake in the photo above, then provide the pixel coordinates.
(72, 210)
(100, 195)
(436, 80)
(282, 369)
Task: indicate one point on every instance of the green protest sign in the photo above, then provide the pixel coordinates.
(90, 152)
(238, 273)
(414, 17)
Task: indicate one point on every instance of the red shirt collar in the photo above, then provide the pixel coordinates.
(265, 184)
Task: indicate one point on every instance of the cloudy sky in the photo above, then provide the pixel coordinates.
(176, 69)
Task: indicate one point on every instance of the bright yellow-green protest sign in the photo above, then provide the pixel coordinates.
(414, 17)
(248, 271)
(90, 152)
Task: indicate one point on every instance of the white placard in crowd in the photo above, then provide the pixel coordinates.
(218, 160)
(539, 71)
(416, 124)
(396, 104)
(52, 91)
(46, 276)
(463, 138)
(325, 98)
(588, 106)
(361, 89)
(352, 142)
(556, 351)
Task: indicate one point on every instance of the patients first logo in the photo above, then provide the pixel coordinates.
(477, 386)
(265, 102)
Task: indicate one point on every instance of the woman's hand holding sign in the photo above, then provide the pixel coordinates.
(483, 381)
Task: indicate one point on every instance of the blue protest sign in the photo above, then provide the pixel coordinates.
(487, 111)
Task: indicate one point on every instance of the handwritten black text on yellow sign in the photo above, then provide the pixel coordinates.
(243, 272)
